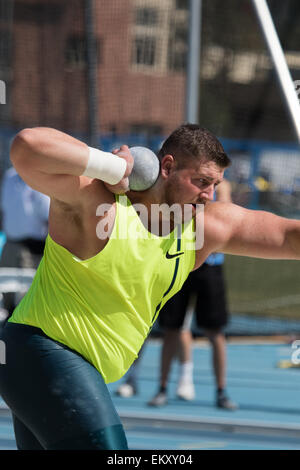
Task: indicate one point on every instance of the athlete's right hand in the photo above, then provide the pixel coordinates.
(122, 186)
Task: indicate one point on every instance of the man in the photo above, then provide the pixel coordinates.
(97, 293)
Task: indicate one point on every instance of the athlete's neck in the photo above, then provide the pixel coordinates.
(148, 205)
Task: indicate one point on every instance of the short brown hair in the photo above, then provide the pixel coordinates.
(192, 142)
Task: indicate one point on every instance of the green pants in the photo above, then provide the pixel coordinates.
(57, 398)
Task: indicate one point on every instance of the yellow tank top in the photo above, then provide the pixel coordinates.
(105, 306)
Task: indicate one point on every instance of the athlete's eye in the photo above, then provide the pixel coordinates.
(202, 182)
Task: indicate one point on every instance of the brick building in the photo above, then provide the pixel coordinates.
(140, 52)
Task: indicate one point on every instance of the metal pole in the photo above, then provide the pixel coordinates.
(93, 129)
(193, 66)
(279, 61)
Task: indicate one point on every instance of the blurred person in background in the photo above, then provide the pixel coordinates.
(25, 225)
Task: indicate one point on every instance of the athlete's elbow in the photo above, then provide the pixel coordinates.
(22, 146)
(292, 240)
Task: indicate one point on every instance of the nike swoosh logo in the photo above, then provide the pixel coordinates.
(169, 256)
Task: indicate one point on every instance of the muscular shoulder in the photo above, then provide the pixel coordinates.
(214, 232)
(218, 218)
(222, 220)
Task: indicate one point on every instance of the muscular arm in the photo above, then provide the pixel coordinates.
(51, 162)
(234, 230)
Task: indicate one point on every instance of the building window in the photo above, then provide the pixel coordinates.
(178, 47)
(146, 37)
(76, 52)
(177, 59)
(159, 36)
(144, 50)
(146, 16)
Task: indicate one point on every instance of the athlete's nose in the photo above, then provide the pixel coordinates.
(208, 193)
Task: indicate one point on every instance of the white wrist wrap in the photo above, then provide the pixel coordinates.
(105, 166)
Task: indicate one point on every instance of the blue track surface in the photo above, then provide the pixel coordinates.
(269, 407)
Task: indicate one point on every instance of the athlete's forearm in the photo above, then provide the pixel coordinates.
(52, 152)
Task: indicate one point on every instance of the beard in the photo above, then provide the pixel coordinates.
(175, 205)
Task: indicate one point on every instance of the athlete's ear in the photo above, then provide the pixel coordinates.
(168, 165)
